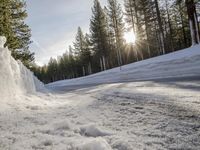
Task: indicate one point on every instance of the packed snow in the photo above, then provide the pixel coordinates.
(152, 104)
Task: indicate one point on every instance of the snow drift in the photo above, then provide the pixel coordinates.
(15, 78)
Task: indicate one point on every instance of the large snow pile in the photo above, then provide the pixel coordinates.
(15, 78)
(178, 64)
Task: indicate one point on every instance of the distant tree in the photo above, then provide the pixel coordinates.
(52, 70)
(116, 16)
(99, 34)
(160, 25)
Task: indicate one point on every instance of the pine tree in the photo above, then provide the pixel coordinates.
(146, 20)
(132, 17)
(117, 24)
(52, 70)
(72, 64)
(88, 54)
(112, 57)
(82, 51)
(160, 25)
(130, 14)
(79, 42)
(169, 25)
(13, 27)
(193, 21)
(99, 34)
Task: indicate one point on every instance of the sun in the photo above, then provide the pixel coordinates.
(130, 37)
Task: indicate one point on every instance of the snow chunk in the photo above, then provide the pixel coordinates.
(122, 145)
(95, 144)
(64, 125)
(2, 41)
(92, 131)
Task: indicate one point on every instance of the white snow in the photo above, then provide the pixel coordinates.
(121, 115)
(14, 76)
(92, 131)
(95, 144)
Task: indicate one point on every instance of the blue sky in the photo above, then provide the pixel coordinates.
(54, 24)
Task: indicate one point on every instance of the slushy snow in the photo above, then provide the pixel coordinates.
(152, 104)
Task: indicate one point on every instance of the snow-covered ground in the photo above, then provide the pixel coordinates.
(111, 110)
(121, 116)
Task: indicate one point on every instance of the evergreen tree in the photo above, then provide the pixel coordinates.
(117, 24)
(132, 18)
(82, 52)
(193, 21)
(160, 25)
(112, 57)
(99, 34)
(88, 54)
(52, 70)
(79, 42)
(13, 27)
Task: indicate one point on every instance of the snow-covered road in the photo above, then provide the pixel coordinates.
(152, 104)
(121, 116)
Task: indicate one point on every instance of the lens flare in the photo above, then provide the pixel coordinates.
(130, 37)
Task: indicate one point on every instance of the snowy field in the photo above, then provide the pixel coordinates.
(153, 104)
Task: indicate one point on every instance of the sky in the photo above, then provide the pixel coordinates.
(54, 25)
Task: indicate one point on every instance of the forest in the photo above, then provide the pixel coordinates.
(119, 35)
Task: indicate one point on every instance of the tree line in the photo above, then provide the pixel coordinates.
(13, 27)
(158, 27)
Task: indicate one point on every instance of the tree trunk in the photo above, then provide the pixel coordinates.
(89, 68)
(84, 73)
(132, 19)
(104, 63)
(101, 64)
(183, 26)
(170, 26)
(147, 34)
(192, 16)
(160, 27)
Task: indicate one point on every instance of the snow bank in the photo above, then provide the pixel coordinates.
(15, 78)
